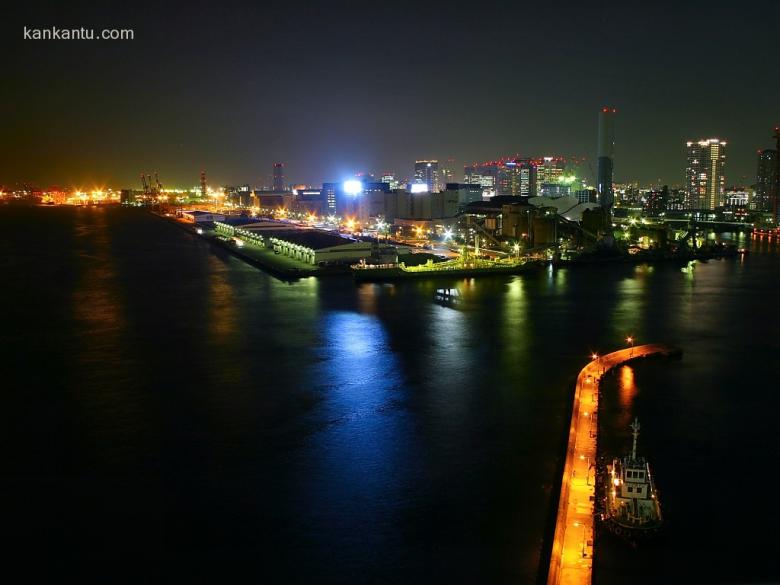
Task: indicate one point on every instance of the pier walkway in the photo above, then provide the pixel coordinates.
(571, 560)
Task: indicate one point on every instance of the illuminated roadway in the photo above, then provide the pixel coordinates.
(571, 560)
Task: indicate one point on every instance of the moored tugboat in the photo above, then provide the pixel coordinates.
(632, 507)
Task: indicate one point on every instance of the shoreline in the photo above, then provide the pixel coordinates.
(258, 261)
(290, 274)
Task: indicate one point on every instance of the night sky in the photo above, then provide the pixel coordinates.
(332, 88)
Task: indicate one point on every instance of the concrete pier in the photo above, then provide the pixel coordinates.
(571, 560)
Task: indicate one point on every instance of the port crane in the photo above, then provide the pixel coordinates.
(152, 190)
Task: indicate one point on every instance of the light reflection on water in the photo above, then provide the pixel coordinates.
(349, 434)
(626, 391)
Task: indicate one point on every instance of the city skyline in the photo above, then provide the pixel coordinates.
(339, 102)
(344, 292)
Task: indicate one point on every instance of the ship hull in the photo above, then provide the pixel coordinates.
(614, 518)
(633, 533)
(397, 273)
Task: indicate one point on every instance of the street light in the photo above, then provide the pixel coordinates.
(630, 341)
(380, 226)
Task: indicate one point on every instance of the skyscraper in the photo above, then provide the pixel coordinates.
(550, 169)
(427, 171)
(527, 178)
(389, 178)
(606, 152)
(278, 184)
(448, 172)
(704, 175)
(776, 190)
(765, 180)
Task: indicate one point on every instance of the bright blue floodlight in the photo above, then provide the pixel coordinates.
(353, 187)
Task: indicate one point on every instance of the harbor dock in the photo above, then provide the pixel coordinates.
(571, 556)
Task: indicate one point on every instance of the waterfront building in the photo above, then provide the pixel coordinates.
(766, 176)
(197, 216)
(319, 248)
(776, 189)
(737, 203)
(704, 175)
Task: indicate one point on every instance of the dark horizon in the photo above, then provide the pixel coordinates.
(334, 89)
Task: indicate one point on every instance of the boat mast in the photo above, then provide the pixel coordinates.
(635, 426)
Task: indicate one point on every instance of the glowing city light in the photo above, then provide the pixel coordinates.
(353, 187)
(419, 188)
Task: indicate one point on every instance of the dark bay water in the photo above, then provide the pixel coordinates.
(170, 414)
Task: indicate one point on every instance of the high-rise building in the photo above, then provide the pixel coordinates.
(606, 152)
(678, 200)
(549, 170)
(704, 175)
(484, 175)
(390, 179)
(427, 171)
(527, 178)
(776, 190)
(465, 192)
(765, 180)
(329, 194)
(278, 184)
(655, 201)
(447, 172)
